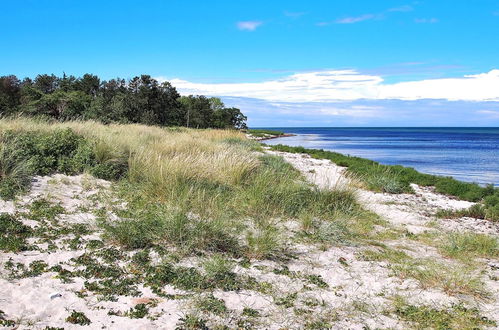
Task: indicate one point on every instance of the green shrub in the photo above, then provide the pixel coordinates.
(211, 304)
(110, 170)
(135, 234)
(24, 154)
(60, 151)
(492, 213)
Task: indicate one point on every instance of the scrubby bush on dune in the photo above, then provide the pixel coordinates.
(36, 152)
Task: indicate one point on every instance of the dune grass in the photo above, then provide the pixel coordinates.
(196, 190)
(468, 244)
(453, 279)
(396, 179)
(429, 317)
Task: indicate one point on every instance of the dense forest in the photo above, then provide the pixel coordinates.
(138, 100)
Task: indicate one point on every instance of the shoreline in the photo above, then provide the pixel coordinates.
(481, 184)
(275, 137)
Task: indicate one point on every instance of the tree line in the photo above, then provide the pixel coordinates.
(141, 99)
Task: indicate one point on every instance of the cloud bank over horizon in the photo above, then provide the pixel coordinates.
(334, 85)
(352, 98)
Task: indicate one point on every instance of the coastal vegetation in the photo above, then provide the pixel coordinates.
(166, 175)
(189, 222)
(141, 99)
(397, 179)
(259, 133)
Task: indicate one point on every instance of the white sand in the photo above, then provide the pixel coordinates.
(359, 292)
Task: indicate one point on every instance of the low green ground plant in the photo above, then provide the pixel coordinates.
(211, 304)
(13, 234)
(78, 318)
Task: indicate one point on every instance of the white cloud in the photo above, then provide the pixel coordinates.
(494, 114)
(426, 20)
(345, 85)
(351, 20)
(404, 8)
(248, 25)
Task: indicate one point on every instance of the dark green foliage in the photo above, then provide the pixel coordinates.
(189, 278)
(250, 312)
(211, 304)
(395, 178)
(137, 312)
(140, 100)
(135, 234)
(487, 211)
(203, 112)
(492, 206)
(476, 211)
(24, 154)
(287, 301)
(13, 234)
(42, 209)
(78, 318)
(110, 170)
(60, 151)
(317, 280)
(19, 270)
(4, 321)
(150, 226)
(181, 277)
(191, 322)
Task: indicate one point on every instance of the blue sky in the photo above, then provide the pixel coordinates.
(285, 63)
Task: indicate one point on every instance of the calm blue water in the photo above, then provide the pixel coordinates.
(468, 154)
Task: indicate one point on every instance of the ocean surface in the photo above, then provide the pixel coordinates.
(467, 154)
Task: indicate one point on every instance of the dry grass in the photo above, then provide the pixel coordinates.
(205, 189)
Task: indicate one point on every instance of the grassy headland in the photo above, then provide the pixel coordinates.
(198, 190)
(397, 179)
(259, 133)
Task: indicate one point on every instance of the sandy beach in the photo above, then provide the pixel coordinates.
(356, 292)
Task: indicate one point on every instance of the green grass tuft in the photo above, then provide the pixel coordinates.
(454, 317)
(468, 244)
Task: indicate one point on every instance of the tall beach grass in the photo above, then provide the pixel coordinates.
(202, 191)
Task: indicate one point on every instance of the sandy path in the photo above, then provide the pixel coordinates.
(413, 213)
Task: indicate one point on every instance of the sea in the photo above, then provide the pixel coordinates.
(467, 154)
